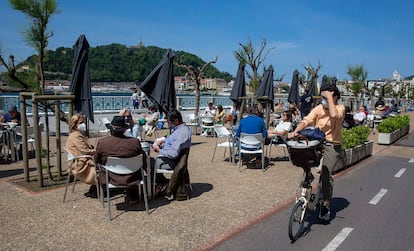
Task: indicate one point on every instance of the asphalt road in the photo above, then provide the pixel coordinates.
(371, 210)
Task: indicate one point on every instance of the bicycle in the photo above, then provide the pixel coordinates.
(305, 154)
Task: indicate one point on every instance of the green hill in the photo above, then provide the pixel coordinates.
(119, 63)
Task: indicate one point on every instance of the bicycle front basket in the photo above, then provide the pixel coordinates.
(305, 153)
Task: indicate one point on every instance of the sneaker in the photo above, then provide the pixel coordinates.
(325, 213)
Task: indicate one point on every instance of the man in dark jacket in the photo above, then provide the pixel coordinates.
(118, 145)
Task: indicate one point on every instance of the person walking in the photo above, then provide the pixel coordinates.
(135, 100)
(305, 103)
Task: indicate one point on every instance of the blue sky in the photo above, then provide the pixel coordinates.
(377, 34)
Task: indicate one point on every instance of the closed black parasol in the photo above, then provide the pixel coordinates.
(80, 85)
(266, 86)
(158, 86)
(294, 89)
(239, 87)
(266, 90)
(312, 87)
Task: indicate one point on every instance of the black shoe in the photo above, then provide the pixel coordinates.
(324, 213)
(91, 194)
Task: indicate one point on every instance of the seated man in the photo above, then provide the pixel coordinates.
(360, 116)
(169, 149)
(13, 115)
(252, 124)
(118, 145)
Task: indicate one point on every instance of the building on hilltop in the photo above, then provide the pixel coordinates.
(139, 45)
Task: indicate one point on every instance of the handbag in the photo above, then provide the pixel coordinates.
(312, 134)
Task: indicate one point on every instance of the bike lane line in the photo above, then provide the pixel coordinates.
(400, 172)
(378, 196)
(339, 238)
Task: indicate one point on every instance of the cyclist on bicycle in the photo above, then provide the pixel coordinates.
(327, 116)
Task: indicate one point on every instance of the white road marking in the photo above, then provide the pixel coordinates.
(339, 238)
(411, 160)
(402, 170)
(377, 197)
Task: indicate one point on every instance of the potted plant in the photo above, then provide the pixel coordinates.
(355, 144)
(393, 128)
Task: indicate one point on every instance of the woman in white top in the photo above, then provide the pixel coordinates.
(284, 126)
(133, 127)
(360, 116)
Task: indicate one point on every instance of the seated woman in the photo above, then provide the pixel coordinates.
(133, 128)
(296, 117)
(359, 117)
(151, 120)
(77, 144)
(219, 118)
(283, 128)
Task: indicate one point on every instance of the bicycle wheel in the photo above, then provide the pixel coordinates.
(296, 221)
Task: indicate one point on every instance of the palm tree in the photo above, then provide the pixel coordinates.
(358, 79)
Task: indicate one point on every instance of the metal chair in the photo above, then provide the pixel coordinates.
(70, 159)
(102, 122)
(18, 140)
(251, 144)
(125, 166)
(207, 123)
(222, 132)
(180, 172)
(278, 141)
(192, 121)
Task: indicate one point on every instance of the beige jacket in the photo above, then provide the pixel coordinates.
(83, 168)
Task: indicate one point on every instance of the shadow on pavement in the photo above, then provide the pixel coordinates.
(8, 173)
(337, 204)
(407, 140)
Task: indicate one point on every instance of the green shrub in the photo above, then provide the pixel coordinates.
(354, 136)
(391, 124)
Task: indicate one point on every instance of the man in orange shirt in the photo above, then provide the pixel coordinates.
(327, 116)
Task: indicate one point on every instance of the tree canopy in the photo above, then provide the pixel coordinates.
(119, 63)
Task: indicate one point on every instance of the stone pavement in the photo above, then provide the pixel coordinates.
(224, 201)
